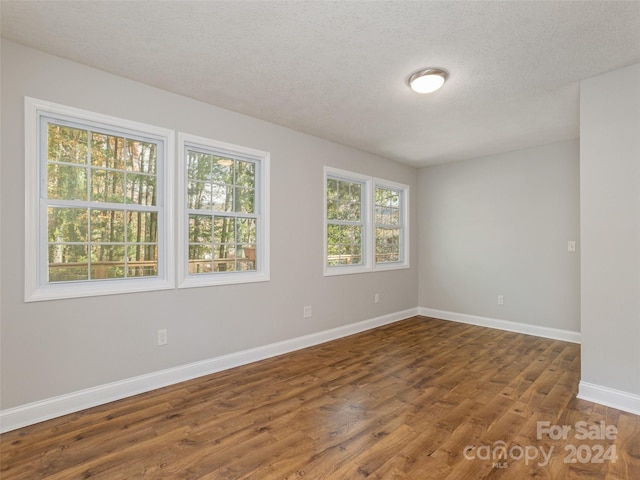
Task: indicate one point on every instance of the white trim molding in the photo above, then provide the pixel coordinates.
(610, 397)
(261, 159)
(24, 415)
(509, 326)
(367, 222)
(36, 285)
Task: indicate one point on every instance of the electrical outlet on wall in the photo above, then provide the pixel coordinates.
(376, 297)
(306, 312)
(163, 338)
(500, 300)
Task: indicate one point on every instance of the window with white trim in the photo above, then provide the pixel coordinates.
(366, 223)
(97, 215)
(224, 213)
(390, 224)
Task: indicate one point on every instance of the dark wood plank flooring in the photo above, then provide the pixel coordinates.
(418, 399)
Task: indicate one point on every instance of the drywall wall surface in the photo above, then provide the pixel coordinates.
(500, 226)
(610, 224)
(55, 347)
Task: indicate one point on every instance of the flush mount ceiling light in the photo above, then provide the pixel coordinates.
(428, 80)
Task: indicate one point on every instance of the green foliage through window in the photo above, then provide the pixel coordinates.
(102, 216)
(366, 223)
(222, 213)
(344, 222)
(388, 224)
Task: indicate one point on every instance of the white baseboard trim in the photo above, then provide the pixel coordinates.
(24, 415)
(609, 397)
(546, 332)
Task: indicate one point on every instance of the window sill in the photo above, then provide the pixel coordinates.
(213, 279)
(382, 267)
(64, 290)
(346, 270)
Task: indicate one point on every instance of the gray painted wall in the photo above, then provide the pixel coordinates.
(610, 223)
(491, 226)
(499, 226)
(56, 347)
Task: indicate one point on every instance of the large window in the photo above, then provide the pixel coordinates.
(100, 221)
(366, 223)
(224, 235)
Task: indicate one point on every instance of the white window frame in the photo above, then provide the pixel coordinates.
(37, 287)
(369, 263)
(403, 262)
(366, 181)
(262, 160)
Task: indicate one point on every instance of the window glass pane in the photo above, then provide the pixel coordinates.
(244, 200)
(387, 245)
(142, 260)
(351, 235)
(246, 230)
(198, 195)
(387, 206)
(68, 263)
(355, 192)
(245, 174)
(141, 156)
(344, 245)
(222, 198)
(224, 258)
(66, 144)
(141, 189)
(107, 186)
(346, 203)
(332, 189)
(354, 255)
(394, 216)
(333, 234)
(107, 151)
(395, 199)
(223, 230)
(199, 166)
(107, 226)
(200, 230)
(222, 170)
(355, 212)
(66, 182)
(107, 261)
(67, 224)
(200, 259)
(142, 227)
(247, 257)
(332, 209)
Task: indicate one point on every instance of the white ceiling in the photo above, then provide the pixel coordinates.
(338, 70)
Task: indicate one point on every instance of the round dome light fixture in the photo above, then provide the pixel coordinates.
(427, 80)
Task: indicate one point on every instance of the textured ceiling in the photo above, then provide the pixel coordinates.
(338, 69)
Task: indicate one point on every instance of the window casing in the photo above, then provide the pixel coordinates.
(224, 211)
(366, 223)
(97, 204)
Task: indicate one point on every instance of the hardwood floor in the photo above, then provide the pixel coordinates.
(418, 399)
